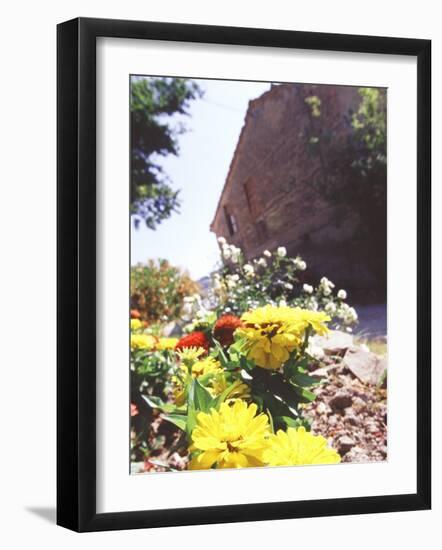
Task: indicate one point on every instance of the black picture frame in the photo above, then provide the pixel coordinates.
(76, 273)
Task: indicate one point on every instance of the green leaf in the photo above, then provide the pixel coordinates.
(277, 405)
(240, 346)
(307, 333)
(291, 422)
(290, 369)
(199, 400)
(223, 396)
(157, 403)
(305, 380)
(179, 420)
(302, 364)
(246, 364)
(306, 395)
(272, 425)
(221, 354)
(259, 401)
(191, 420)
(203, 401)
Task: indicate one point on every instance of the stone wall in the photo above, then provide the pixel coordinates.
(268, 199)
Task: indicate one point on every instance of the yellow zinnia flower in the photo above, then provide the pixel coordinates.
(233, 437)
(167, 343)
(219, 384)
(209, 365)
(297, 447)
(272, 333)
(196, 369)
(142, 341)
(135, 324)
(179, 393)
(189, 355)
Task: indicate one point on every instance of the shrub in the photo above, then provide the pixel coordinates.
(158, 290)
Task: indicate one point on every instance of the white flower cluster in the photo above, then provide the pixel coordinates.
(326, 286)
(252, 304)
(347, 314)
(299, 263)
(232, 280)
(229, 251)
(311, 303)
(248, 271)
(272, 279)
(261, 262)
(216, 281)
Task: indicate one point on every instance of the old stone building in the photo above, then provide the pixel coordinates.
(268, 199)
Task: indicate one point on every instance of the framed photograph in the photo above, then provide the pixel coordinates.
(243, 274)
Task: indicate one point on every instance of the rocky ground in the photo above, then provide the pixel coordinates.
(351, 405)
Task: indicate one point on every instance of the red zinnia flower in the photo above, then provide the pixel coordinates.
(224, 329)
(135, 314)
(193, 340)
(148, 466)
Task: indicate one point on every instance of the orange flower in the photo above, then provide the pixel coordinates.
(224, 329)
(193, 340)
(135, 314)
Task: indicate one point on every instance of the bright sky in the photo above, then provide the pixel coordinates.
(199, 171)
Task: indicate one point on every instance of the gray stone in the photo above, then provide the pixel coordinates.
(322, 408)
(351, 418)
(357, 454)
(340, 401)
(365, 365)
(345, 443)
(359, 404)
(172, 329)
(335, 342)
(332, 420)
(372, 428)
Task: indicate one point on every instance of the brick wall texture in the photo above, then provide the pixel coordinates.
(268, 199)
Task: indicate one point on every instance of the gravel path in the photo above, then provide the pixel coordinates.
(351, 415)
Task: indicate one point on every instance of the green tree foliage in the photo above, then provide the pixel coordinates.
(353, 164)
(369, 145)
(154, 134)
(158, 290)
(353, 172)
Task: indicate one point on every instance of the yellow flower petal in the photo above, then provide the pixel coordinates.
(235, 434)
(272, 333)
(299, 447)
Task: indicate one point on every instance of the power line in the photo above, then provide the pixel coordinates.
(223, 106)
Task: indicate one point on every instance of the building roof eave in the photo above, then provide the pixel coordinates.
(249, 115)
